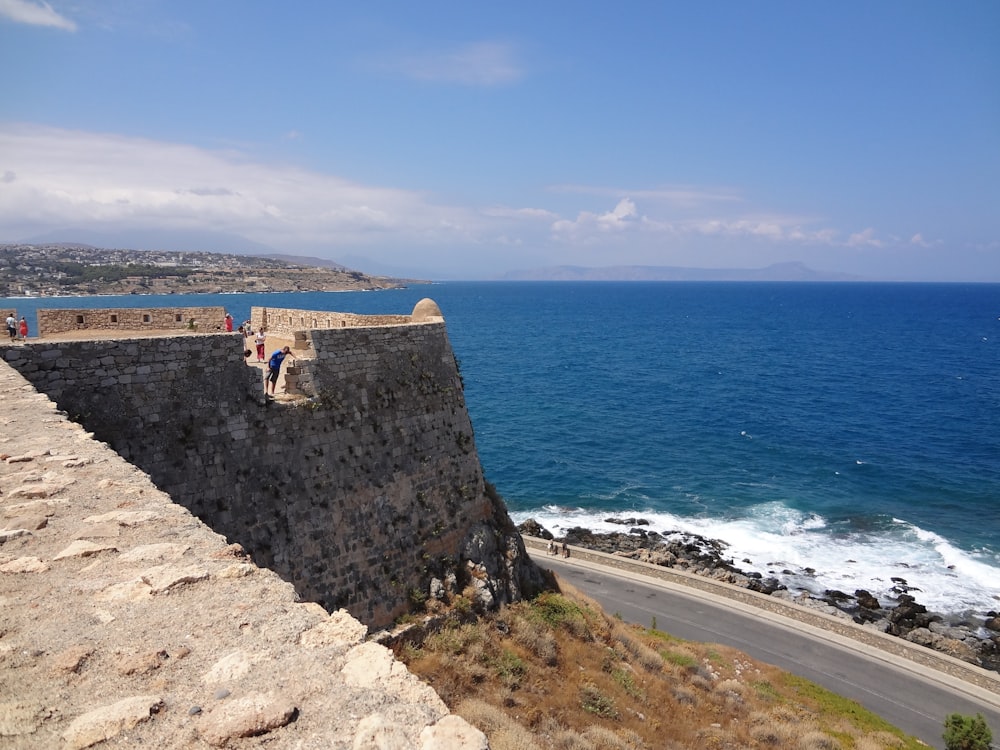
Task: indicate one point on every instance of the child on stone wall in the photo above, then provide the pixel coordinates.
(259, 341)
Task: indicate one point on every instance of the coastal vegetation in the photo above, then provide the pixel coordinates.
(557, 672)
(967, 733)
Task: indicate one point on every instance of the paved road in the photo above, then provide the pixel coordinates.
(914, 698)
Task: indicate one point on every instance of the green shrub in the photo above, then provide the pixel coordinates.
(966, 733)
(592, 700)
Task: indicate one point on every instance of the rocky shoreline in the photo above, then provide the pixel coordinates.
(901, 615)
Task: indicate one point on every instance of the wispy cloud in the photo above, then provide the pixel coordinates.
(35, 14)
(473, 64)
(505, 212)
(682, 196)
(627, 218)
(865, 238)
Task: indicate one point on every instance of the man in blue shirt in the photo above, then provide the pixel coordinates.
(274, 368)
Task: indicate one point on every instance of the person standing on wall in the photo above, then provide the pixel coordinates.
(274, 368)
(23, 329)
(12, 326)
(259, 341)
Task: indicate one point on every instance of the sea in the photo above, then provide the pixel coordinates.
(834, 435)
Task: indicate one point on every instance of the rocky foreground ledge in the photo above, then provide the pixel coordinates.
(973, 642)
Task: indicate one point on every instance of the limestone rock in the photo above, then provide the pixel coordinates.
(249, 716)
(452, 733)
(165, 577)
(133, 591)
(36, 490)
(83, 548)
(373, 666)
(108, 721)
(124, 517)
(105, 530)
(7, 535)
(24, 565)
(25, 457)
(29, 522)
(375, 732)
(228, 668)
(239, 570)
(340, 628)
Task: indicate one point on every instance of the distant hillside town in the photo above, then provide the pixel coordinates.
(60, 269)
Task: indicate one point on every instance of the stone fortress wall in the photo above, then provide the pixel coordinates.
(365, 493)
(202, 319)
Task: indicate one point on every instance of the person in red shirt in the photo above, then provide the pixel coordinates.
(23, 329)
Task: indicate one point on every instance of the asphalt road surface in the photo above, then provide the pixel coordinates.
(915, 699)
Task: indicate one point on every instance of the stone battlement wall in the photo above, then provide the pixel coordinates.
(130, 319)
(287, 321)
(125, 619)
(367, 495)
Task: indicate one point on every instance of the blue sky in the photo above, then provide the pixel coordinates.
(463, 140)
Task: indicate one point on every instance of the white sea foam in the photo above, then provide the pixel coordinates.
(783, 542)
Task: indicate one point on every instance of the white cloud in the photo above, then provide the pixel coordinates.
(621, 217)
(68, 178)
(474, 64)
(865, 238)
(34, 14)
(918, 239)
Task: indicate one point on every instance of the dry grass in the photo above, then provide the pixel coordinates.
(559, 674)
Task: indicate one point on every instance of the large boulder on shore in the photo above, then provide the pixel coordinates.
(951, 646)
(531, 527)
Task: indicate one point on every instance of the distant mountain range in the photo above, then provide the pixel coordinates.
(774, 272)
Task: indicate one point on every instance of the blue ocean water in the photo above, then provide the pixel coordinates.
(848, 428)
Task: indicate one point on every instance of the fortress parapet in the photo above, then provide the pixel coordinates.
(288, 321)
(202, 319)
